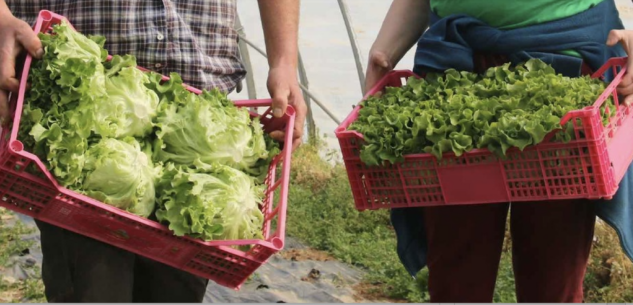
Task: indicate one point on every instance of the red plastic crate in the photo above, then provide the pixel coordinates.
(589, 167)
(46, 200)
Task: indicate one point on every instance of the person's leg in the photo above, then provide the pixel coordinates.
(155, 282)
(464, 245)
(79, 269)
(551, 242)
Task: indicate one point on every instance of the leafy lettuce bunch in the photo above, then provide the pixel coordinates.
(210, 201)
(123, 136)
(119, 173)
(459, 111)
(209, 128)
(76, 108)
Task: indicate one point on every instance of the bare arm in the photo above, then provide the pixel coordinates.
(404, 24)
(280, 20)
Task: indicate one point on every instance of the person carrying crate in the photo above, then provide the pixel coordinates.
(461, 245)
(77, 268)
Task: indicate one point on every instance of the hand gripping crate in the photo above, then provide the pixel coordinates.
(589, 167)
(46, 200)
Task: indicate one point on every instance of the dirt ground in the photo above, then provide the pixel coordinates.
(296, 275)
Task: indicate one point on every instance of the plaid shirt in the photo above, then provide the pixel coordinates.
(194, 38)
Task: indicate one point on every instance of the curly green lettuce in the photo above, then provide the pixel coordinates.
(119, 173)
(130, 107)
(209, 128)
(459, 111)
(210, 201)
(94, 122)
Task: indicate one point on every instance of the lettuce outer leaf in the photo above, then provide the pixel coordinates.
(211, 202)
(119, 173)
(209, 128)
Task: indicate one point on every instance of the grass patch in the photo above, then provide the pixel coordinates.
(11, 244)
(609, 275)
(321, 213)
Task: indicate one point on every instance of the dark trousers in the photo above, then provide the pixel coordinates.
(80, 269)
(551, 242)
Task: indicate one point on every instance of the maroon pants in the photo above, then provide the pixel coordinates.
(551, 242)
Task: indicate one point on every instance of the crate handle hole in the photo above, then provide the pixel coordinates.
(17, 146)
(278, 243)
(46, 15)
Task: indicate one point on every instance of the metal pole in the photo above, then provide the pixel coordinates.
(246, 58)
(303, 77)
(321, 105)
(352, 39)
(305, 90)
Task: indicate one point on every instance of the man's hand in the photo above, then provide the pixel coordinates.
(378, 66)
(284, 90)
(280, 20)
(625, 38)
(15, 36)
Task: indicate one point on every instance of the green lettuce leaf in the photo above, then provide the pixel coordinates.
(130, 108)
(209, 128)
(210, 201)
(119, 173)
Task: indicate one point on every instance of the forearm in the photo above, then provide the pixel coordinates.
(280, 20)
(404, 24)
(4, 9)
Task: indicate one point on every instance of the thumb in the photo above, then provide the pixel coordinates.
(380, 59)
(627, 79)
(5, 116)
(280, 102)
(614, 37)
(29, 40)
(384, 64)
(628, 100)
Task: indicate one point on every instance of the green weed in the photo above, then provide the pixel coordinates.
(11, 244)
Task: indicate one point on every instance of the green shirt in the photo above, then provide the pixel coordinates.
(507, 14)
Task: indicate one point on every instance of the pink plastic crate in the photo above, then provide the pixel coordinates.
(589, 167)
(46, 200)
